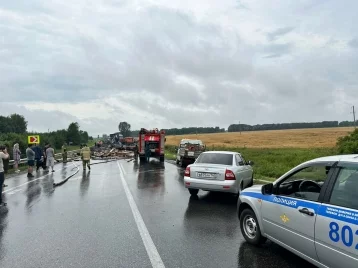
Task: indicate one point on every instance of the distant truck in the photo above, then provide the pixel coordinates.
(188, 151)
(156, 140)
(115, 140)
(129, 143)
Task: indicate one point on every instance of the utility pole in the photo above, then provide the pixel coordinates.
(239, 127)
(354, 117)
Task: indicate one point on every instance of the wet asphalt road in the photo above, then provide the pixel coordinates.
(88, 222)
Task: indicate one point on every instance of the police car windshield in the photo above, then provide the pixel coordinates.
(215, 158)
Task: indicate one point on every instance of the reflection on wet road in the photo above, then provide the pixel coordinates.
(89, 222)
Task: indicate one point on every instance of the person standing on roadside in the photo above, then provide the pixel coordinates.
(45, 158)
(64, 153)
(30, 154)
(3, 155)
(16, 153)
(38, 155)
(147, 151)
(86, 157)
(136, 152)
(50, 154)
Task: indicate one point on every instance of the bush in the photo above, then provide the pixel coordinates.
(348, 144)
(10, 139)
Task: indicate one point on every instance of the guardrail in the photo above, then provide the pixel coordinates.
(24, 160)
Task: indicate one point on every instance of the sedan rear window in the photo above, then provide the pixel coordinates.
(215, 158)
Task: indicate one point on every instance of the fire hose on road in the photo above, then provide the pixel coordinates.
(78, 169)
(65, 180)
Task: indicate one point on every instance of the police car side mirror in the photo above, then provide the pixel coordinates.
(267, 189)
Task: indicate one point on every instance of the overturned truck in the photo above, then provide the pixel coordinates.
(156, 142)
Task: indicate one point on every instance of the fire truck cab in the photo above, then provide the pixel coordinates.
(155, 139)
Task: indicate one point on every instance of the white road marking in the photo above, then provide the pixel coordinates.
(39, 178)
(122, 169)
(151, 249)
(15, 191)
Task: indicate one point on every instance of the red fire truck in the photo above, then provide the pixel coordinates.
(155, 139)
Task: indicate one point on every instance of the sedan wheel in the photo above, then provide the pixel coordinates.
(251, 182)
(193, 191)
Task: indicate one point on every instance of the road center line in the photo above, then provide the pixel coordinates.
(151, 249)
(122, 169)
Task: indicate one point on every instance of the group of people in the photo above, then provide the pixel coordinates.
(36, 156)
(43, 158)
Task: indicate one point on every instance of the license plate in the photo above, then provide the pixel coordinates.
(205, 175)
(191, 153)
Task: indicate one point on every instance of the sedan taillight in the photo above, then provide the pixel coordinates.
(229, 175)
(187, 172)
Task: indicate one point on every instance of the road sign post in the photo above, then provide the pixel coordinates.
(33, 139)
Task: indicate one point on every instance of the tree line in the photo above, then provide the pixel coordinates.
(13, 129)
(14, 123)
(193, 130)
(125, 128)
(186, 131)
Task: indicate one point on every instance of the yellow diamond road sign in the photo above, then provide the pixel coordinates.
(33, 139)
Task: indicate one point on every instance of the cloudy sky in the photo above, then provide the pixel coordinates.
(159, 63)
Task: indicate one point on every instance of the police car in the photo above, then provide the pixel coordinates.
(312, 210)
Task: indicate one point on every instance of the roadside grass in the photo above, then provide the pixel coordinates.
(170, 155)
(270, 163)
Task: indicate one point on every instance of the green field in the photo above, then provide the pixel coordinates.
(269, 164)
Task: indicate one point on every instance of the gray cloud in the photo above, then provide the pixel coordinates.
(353, 43)
(277, 50)
(241, 5)
(156, 65)
(40, 120)
(279, 32)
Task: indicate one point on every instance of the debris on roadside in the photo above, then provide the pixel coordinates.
(109, 153)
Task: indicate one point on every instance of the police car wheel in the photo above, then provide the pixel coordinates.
(250, 228)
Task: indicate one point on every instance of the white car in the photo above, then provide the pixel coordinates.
(220, 171)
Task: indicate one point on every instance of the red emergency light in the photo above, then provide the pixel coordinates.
(151, 138)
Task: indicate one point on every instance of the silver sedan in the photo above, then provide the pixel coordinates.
(220, 171)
